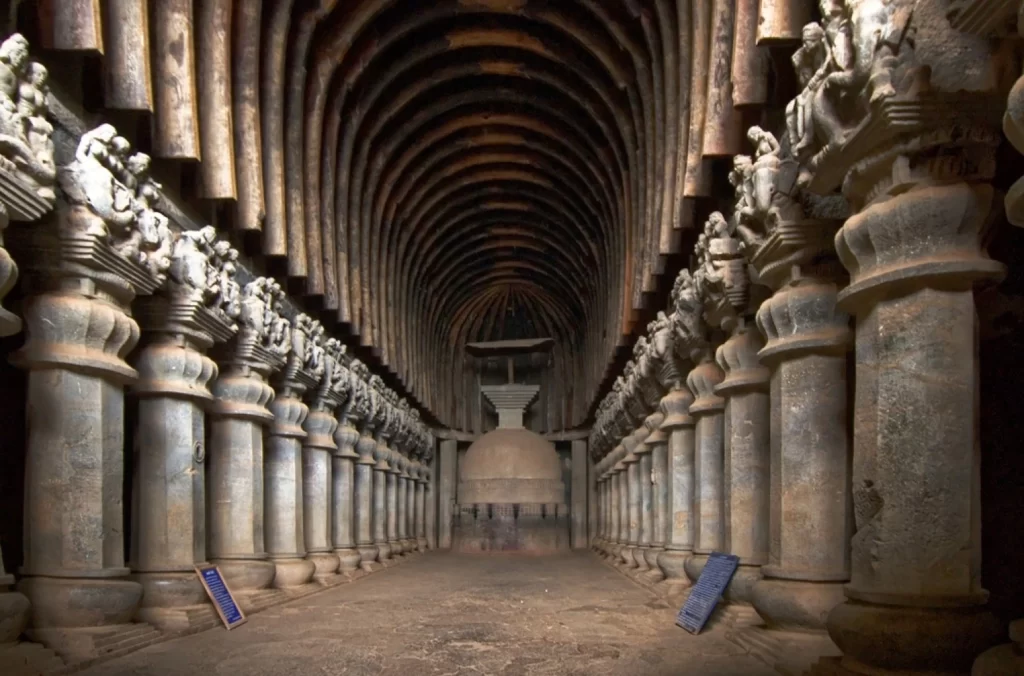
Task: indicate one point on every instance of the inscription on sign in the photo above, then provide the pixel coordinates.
(230, 614)
(705, 594)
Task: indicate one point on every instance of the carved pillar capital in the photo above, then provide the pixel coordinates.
(702, 381)
(738, 359)
(676, 407)
(803, 319)
(930, 236)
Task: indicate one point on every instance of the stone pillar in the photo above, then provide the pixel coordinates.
(446, 492)
(317, 488)
(631, 476)
(235, 480)
(422, 544)
(611, 506)
(679, 425)
(621, 506)
(593, 500)
(396, 504)
(169, 484)
(381, 500)
(283, 464)
(657, 441)
(319, 462)
(579, 494)
(598, 545)
(343, 498)
(368, 511)
(80, 281)
(708, 498)
(916, 561)
(430, 490)
(643, 453)
(407, 510)
(411, 503)
(807, 342)
(746, 461)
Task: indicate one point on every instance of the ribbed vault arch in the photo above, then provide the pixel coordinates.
(465, 170)
(465, 158)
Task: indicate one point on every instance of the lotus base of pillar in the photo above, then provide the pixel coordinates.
(676, 584)
(640, 558)
(906, 640)
(741, 586)
(185, 618)
(672, 563)
(796, 605)
(368, 555)
(422, 545)
(653, 573)
(325, 565)
(246, 575)
(349, 560)
(292, 572)
(694, 566)
(173, 601)
(384, 552)
(410, 546)
(626, 555)
(71, 603)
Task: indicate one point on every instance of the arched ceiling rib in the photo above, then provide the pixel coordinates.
(443, 172)
(472, 170)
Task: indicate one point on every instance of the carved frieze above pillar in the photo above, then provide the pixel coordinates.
(202, 300)
(27, 169)
(895, 82)
(264, 338)
(786, 231)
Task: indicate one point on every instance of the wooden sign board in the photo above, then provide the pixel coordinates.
(705, 594)
(230, 614)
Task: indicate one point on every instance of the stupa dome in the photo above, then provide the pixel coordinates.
(508, 466)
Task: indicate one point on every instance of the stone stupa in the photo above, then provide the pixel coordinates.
(511, 494)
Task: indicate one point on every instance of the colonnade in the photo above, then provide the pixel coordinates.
(250, 428)
(851, 255)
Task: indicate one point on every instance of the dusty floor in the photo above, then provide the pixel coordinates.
(457, 614)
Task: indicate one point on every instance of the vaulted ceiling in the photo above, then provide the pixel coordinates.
(442, 172)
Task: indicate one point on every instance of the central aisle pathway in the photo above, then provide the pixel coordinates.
(443, 613)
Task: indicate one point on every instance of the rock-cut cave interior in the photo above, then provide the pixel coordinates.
(480, 336)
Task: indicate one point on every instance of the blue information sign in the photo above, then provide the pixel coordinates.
(705, 594)
(223, 601)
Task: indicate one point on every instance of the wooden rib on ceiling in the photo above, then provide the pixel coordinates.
(425, 166)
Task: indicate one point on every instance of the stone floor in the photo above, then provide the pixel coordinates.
(457, 614)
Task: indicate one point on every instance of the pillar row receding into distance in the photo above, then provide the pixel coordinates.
(198, 308)
(238, 417)
(343, 497)
(708, 501)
